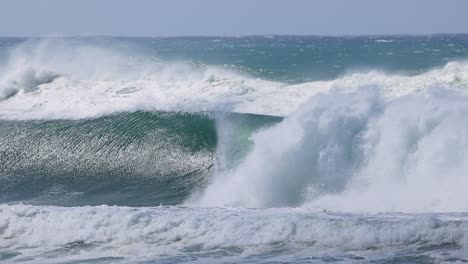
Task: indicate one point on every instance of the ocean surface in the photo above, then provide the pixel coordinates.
(261, 149)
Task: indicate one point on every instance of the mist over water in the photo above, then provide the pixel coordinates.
(234, 149)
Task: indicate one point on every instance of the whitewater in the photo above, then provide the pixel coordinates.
(129, 150)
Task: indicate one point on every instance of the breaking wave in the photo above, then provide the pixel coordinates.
(170, 234)
(356, 151)
(115, 159)
(53, 79)
(363, 142)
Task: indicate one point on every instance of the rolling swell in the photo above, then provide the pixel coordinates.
(135, 159)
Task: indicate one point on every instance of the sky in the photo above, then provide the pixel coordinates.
(231, 17)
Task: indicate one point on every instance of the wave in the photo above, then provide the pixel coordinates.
(366, 141)
(173, 232)
(54, 79)
(356, 152)
(115, 159)
(26, 81)
(326, 172)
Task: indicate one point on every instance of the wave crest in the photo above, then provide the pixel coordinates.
(156, 232)
(73, 80)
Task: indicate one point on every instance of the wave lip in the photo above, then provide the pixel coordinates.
(26, 81)
(156, 232)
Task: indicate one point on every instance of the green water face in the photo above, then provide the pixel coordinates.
(133, 159)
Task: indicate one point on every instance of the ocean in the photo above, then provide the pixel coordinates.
(256, 149)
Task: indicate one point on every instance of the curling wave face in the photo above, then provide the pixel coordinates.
(115, 159)
(106, 160)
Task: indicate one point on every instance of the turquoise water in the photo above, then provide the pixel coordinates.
(303, 59)
(262, 149)
(293, 59)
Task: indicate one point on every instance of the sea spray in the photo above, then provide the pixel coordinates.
(63, 79)
(312, 148)
(357, 152)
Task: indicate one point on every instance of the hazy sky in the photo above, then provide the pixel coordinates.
(231, 17)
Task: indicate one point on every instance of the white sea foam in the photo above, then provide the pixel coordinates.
(55, 79)
(356, 151)
(384, 40)
(104, 231)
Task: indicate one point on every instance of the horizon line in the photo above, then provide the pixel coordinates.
(237, 36)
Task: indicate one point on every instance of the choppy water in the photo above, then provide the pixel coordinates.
(225, 150)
